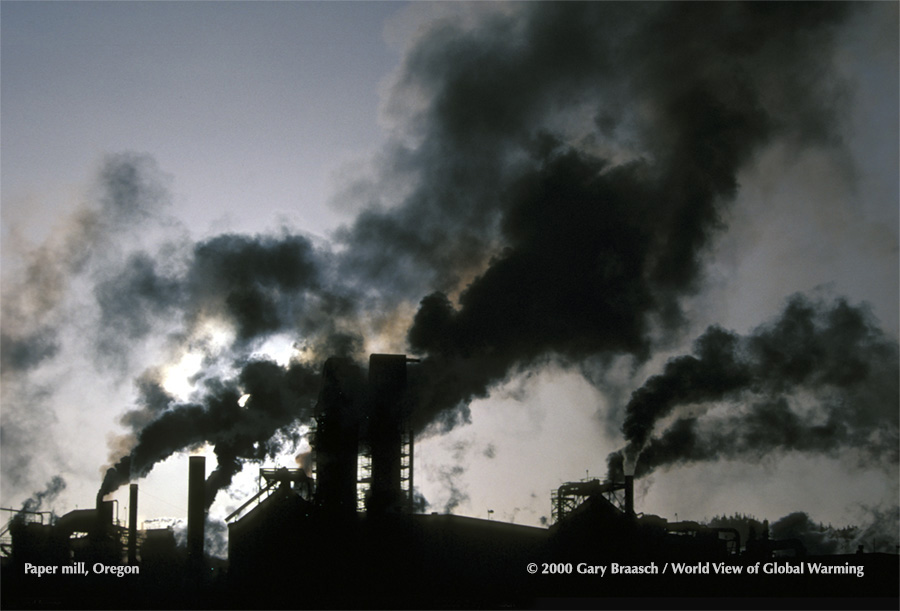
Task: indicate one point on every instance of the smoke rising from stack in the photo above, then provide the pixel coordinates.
(575, 267)
(565, 169)
(279, 397)
(47, 495)
(820, 378)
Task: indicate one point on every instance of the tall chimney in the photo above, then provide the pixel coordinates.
(628, 467)
(337, 441)
(132, 523)
(387, 421)
(629, 495)
(196, 507)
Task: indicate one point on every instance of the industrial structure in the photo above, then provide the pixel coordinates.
(348, 535)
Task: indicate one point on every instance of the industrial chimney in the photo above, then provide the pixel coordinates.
(132, 523)
(388, 422)
(628, 466)
(196, 517)
(337, 440)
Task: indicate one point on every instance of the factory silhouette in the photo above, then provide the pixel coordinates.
(352, 535)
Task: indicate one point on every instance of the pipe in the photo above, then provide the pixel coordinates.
(34, 513)
(132, 523)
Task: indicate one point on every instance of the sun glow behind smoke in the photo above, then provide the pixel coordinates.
(279, 348)
(177, 379)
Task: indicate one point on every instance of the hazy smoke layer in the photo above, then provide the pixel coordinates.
(821, 377)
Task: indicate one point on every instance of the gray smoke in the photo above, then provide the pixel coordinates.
(43, 303)
(879, 534)
(449, 477)
(38, 500)
(131, 197)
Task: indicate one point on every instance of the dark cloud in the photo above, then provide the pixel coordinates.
(257, 286)
(133, 190)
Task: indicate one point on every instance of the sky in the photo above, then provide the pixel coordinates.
(660, 228)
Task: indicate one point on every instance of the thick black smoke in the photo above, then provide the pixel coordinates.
(588, 152)
(256, 285)
(820, 378)
(567, 166)
(278, 398)
(560, 172)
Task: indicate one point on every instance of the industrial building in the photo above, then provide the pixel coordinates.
(349, 536)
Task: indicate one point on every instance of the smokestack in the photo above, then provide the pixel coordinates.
(628, 466)
(196, 517)
(337, 439)
(103, 516)
(132, 524)
(387, 421)
(629, 495)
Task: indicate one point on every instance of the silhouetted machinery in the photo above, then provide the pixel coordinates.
(346, 535)
(598, 517)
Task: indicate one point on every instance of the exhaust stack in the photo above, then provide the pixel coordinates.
(132, 523)
(196, 517)
(628, 467)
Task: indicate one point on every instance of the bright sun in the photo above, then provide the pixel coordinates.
(177, 378)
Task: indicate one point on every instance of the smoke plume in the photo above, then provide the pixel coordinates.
(278, 398)
(588, 154)
(47, 495)
(555, 177)
(820, 378)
